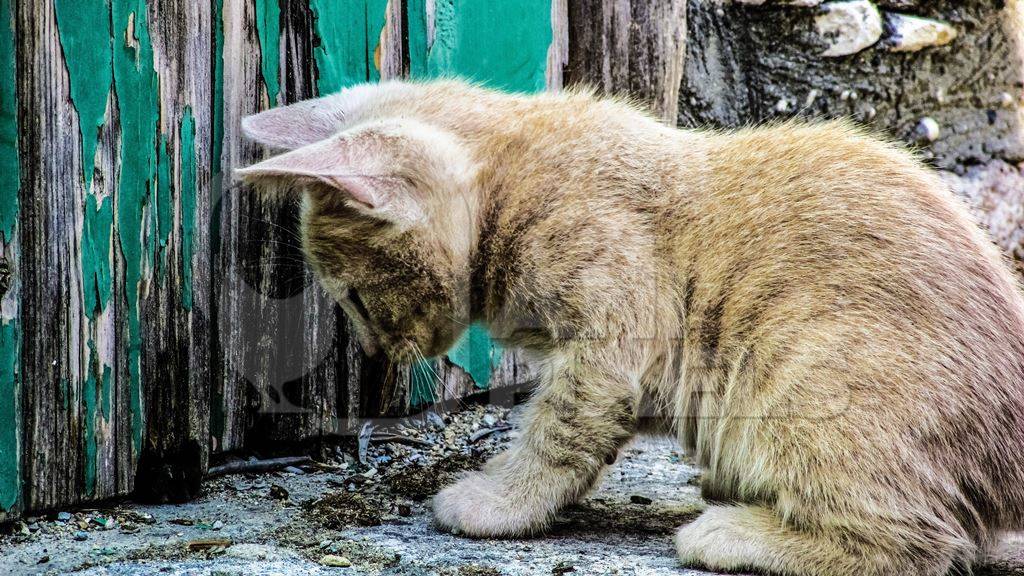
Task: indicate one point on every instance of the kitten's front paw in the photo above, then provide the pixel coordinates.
(479, 506)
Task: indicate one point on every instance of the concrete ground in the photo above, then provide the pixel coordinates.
(366, 511)
(374, 517)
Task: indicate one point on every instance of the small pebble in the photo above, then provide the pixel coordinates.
(642, 500)
(80, 535)
(928, 129)
(294, 470)
(563, 568)
(278, 492)
(64, 516)
(335, 561)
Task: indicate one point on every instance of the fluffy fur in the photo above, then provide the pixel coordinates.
(806, 308)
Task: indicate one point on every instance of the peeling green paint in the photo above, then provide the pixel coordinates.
(84, 30)
(9, 165)
(136, 82)
(477, 354)
(500, 44)
(89, 424)
(349, 34)
(10, 333)
(10, 456)
(268, 25)
(97, 223)
(187, 197)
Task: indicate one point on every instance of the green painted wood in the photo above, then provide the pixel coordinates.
(500, 44)
(136, 266)
(114, 361)
(10, 337)
(349, 34)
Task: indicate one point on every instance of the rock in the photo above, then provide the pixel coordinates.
(335, 561)
(64, 516)
(278, 492)
(848, 27)
(927, 129)
(105, 523)
(912, 33)
(217, 525)
(642, 500)
(259, 552)
(294, 470)
(563, 568)
(80, 535)
(208, 544)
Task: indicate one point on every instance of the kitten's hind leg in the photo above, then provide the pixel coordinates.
(743, 537)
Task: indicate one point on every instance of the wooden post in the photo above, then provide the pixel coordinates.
(113, 204)
(630, 47)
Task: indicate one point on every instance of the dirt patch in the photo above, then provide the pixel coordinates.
(422, 482)
(342, 509)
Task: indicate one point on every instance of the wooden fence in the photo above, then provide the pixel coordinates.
(152, 313)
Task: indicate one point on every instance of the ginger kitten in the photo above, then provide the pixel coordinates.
(807, 309)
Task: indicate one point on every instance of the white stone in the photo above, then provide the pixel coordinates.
(911, 33)
(928, 128)
(782, 105)
(811, 97)
(848, 27)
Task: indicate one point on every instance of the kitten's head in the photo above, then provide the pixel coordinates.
(388, 215)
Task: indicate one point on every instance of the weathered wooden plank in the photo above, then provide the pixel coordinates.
(287, 361)
(115, 182)
(50, 197)
(176, 357)
(10, 276)
(629, 47)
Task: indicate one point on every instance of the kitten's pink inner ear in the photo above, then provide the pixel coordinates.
(336, 162)
(359, 188)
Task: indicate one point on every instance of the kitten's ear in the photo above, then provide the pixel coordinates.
(362, 167)
(291, 127)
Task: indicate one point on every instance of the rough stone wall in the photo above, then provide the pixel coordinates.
(945, 76)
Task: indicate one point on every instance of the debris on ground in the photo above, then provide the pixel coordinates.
(353, 511)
